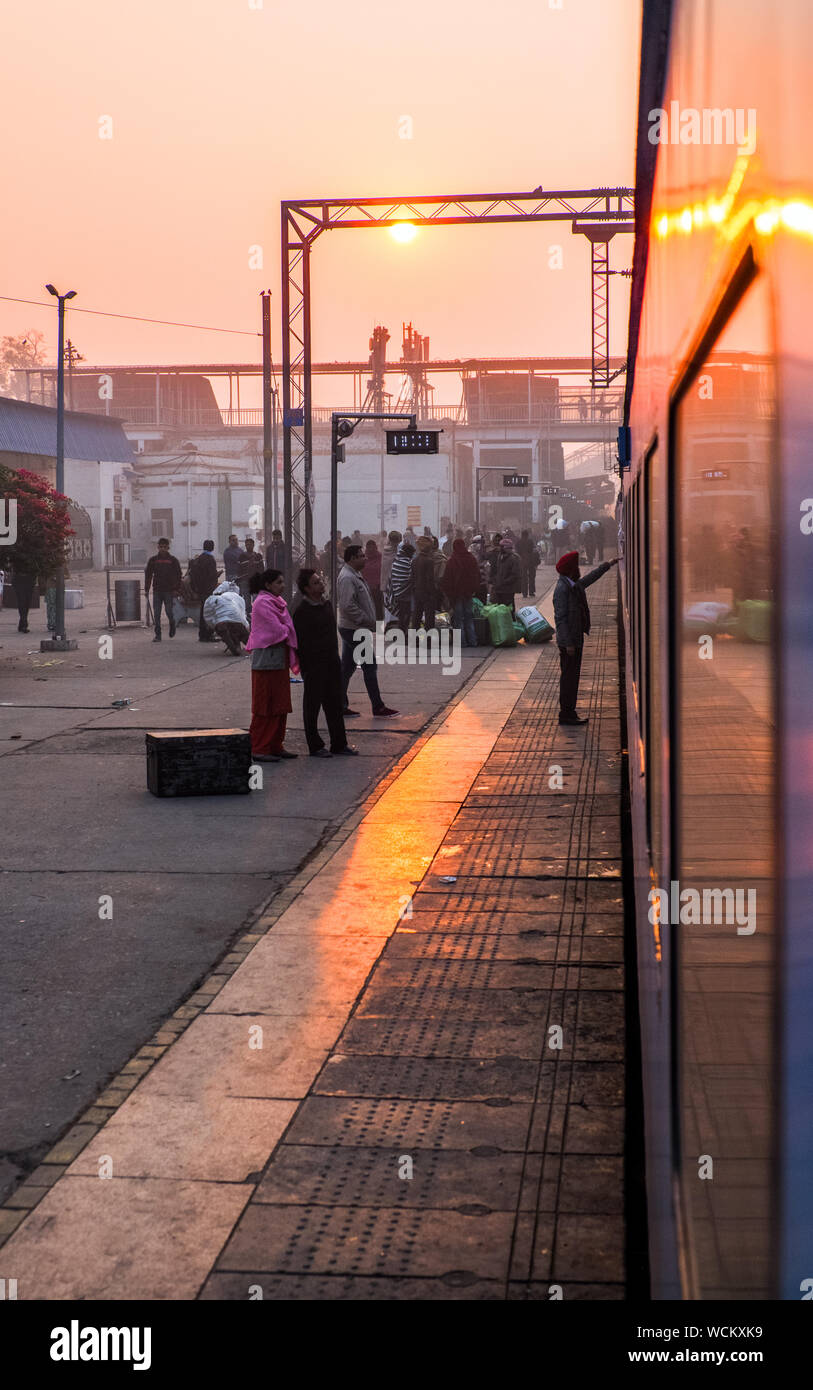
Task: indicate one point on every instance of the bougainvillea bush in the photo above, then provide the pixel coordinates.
(43, 523)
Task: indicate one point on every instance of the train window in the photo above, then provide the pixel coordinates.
(724, 489)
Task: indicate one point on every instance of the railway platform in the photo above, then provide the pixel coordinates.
(407, 1081)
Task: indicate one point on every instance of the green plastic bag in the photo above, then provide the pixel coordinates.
(477, 607)
(500, 623)
(519, 630)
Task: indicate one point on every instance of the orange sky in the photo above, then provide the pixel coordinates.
(220, 110)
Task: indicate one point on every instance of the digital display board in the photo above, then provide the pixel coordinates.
(412, 441)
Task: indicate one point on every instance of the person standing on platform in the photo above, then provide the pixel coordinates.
(401, 587)
(252, 563)
(507, 579)
(528, 561)
(273, 646)
(372, 576)
(315, 624)
(572, 616)
(387, 556)
(423, 583)
(275, 552)
(357, 614)
(601, 536)
(163, 573)
(461, 580)
(232, 556)
(203, 576)
(25, 582)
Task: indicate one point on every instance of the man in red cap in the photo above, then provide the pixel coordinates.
(572, 625)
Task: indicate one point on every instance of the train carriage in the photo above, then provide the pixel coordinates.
(718, 615)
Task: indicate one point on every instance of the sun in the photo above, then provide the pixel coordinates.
(403, 232)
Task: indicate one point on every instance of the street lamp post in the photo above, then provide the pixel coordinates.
(60, 641)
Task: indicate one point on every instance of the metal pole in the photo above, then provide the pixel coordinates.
(59, 631)
(275, 456)
(334, 507)
(307, 398)
(287, 489)
(268, 444)
(381, 523)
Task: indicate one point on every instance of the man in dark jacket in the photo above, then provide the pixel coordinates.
(528, 559)
(232, 557)
(315, 624)
(423, 583)
(275, 552)
(506, 575)
(164, 574)
(252, 563)
(461, 580)
(572, 626)
(203, 576)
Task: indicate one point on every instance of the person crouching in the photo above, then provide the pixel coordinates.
(225, 612)
(273, 646)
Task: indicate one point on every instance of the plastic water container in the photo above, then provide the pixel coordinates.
(74, 598)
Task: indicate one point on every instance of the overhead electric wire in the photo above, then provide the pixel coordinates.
(135, 318)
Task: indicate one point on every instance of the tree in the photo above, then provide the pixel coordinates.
(26, 350)
(43, 523)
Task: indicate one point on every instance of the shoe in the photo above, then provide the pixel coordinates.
(350, 714)
(172, 630)
(264, 758)
(576, 719)
(345, 752)
(156, 639)
(383, 711)
(283, 753)
(321, 753)
(23, 629)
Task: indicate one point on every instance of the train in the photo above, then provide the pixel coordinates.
(716, 520)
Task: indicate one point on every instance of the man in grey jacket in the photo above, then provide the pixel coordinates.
(572, 626)
(357, 614)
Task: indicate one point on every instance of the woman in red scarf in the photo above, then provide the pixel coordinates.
(272, 643)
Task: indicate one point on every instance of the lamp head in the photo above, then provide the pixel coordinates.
(51, 290)
(71, 294)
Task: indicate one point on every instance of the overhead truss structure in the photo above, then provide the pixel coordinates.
(306, 219)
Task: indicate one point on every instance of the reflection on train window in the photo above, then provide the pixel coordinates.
(725, 766)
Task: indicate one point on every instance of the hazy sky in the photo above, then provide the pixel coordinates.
(219, 110)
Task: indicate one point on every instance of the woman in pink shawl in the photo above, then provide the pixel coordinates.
(272, 643)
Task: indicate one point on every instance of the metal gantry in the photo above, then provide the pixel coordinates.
(303, 220)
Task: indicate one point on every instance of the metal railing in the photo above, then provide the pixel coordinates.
(571, 407)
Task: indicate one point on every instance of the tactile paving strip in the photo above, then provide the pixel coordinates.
(446, 1146)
